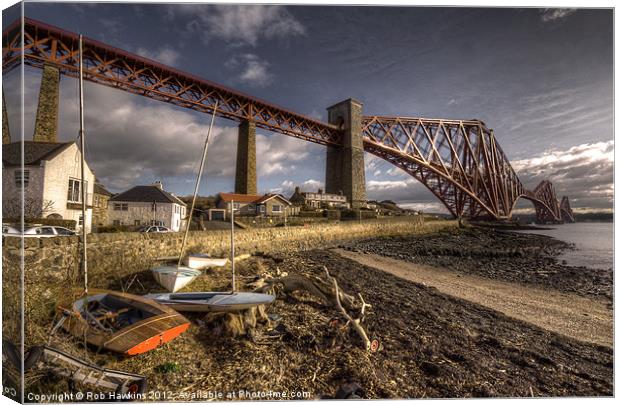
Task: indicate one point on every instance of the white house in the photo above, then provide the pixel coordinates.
(147, 205)
(50, 180)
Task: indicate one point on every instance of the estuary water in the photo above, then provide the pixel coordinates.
(594, 244)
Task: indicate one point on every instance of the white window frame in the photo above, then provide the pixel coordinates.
(121, 206)
(71, 190)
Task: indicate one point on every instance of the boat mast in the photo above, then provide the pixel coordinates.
(202, 164)
(83, 168)
(232, 241)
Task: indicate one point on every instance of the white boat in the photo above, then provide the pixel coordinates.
(173, 278)
(212, 301)
(204, 260)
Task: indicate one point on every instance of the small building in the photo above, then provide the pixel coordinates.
(255, 205)
(50, 180)
(100, 205)
(318, 200)
(147, 205)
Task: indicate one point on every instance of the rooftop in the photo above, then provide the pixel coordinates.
(147, 194)
(34, 152)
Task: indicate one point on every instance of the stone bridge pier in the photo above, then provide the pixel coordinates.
(344, 168)
(245, 173)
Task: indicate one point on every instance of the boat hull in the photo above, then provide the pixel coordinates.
(212, 301)
(202, 261)
(162, 324)
(174, 278)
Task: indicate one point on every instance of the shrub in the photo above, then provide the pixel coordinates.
(66, 223)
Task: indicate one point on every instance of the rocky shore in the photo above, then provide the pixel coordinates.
(496, 254)
(432, 344)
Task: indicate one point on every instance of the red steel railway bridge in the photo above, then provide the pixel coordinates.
(459, 161)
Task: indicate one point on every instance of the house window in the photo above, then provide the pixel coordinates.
(80, 220)
(276, 208)
(74, 193)
(121, 207)
(22, 178)
(262, 208)
(236, 206)
(116, 222)
(136, 222)
(154, 206)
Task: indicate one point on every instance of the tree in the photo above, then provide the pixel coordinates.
(33, 208)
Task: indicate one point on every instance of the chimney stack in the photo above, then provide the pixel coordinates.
(158, 184)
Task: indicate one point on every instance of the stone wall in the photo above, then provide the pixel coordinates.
(119, 254)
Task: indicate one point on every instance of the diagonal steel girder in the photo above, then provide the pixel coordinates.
(457, 160)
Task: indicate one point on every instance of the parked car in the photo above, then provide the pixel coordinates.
(42, 231)
(9, 230)
(153, 228)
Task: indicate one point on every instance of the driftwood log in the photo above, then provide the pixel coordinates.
(328, 291)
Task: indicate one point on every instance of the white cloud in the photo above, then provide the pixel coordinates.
(278, 154)
(437, 207)
(239, 24)
(250, 69)
(287, 188)
(554, 14)
(584, 173)
(165, 55)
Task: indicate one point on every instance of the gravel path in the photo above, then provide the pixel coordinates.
(582, 318)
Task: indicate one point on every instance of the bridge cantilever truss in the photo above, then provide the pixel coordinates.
(459, 161)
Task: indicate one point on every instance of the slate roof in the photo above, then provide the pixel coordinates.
(34, 152)
(267, 197)
(147, 194)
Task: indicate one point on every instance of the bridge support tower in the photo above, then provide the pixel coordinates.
(245, 174)
(46, 124)
(6, 134)
(344, 171)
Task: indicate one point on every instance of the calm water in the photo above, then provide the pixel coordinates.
(593, 241)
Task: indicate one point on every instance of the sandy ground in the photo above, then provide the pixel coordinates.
(585, 319)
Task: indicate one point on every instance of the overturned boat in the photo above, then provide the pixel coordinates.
(202, 261)
(121, 322)
(212, 301)
(120, 383)
(173, 278)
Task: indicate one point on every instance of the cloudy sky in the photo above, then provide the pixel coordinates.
(541, 78)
